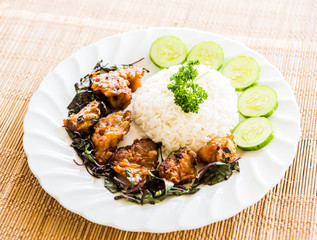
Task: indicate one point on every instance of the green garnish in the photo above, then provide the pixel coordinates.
(187, 94)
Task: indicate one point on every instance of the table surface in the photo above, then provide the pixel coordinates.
(36, 35)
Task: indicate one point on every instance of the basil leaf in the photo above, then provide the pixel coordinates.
(87, 154)
(147, 197)
(80, 100)
(129, 197)
(80, 142)
(112, 185)
(130, 177)
(168, 185)
(235, 166)
(216, 172)
(181, 190)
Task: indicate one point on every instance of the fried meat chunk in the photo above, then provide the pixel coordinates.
(139, 158)
(84, 119)
(108, 132)
(220, 149)
(133, 75)
(114, 88)
(180, 167)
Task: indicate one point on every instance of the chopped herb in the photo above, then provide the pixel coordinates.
(187, 94)
(94, 119)
(80, 118)
(226, 150)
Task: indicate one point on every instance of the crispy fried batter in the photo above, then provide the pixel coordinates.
(180, 167)
(108, 132)
(220, 149)
(138, 158)
(84, 119)
(133, 75)
(114, 88)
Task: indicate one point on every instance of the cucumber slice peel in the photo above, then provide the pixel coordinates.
(258, 101)
(208, 53)
(253, 133)
(167, 51)
(243, 71)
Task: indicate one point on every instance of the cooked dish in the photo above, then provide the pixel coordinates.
(108, 132)
(180, 167)
(114, 88)
(84, 119)
(188, 115)
(139, 158)
(219, 149)
(98, 121)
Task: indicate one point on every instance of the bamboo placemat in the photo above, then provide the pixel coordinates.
(36, 35)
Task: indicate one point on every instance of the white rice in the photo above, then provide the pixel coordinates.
(154, 110)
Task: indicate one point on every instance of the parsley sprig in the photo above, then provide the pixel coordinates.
(187, 94)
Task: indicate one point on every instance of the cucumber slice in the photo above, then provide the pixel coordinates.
(243, 71)
(253, 133)
(208, 53)
(167, 51)
(258, 101)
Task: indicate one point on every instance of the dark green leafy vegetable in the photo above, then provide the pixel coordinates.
(182, 189)
(216, 172)
(83, 147)
(130, 177)
(153, 190)
(112, 185)
(80, 100)
(88, 154)
(80, 142)
(187, 94)
(106, 68)
(131, 198)
(147, 197)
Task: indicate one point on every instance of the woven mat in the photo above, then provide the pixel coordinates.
(36, 35)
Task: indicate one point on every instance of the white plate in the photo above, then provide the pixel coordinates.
(51, 159)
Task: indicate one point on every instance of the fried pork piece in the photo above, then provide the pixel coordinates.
(84, 119)
(108, 132)
(114, 88)
(139, 158)
(220, 149)
(133, 75)
(180, 167)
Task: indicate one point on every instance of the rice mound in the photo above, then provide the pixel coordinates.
(154, 110)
